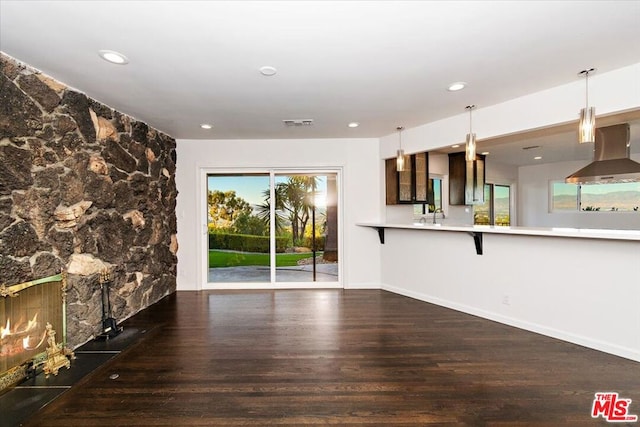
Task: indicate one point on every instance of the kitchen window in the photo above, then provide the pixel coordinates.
(623, 197)
(424, 208)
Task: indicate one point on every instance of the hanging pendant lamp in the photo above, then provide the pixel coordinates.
(470, 147)
(587, 126)
(400, 157)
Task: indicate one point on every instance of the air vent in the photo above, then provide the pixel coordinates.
(531, 147)
(298, 122)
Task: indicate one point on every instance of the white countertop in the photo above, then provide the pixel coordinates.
(586, 233)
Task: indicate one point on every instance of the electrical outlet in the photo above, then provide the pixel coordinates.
(505, 300)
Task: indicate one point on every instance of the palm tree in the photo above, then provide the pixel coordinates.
(294, 200)
(264, 210)
(299, 194)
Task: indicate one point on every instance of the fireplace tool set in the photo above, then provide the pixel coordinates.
(110, 327)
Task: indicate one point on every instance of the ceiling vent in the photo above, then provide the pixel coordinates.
(298, 122)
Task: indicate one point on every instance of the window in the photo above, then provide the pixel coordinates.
(238, 222)
(424, 208)
(623, 196)
(502, 205)
(496, 209)
(564, 197)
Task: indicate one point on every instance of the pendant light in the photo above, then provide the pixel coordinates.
(587, 126)
(470, 147)
(400, 157)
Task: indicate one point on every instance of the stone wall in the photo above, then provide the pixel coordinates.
(83, 188)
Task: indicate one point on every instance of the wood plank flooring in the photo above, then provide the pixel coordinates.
(334, 357)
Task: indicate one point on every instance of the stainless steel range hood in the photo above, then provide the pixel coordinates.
(611, 162)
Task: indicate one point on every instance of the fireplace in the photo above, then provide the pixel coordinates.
(28, 313)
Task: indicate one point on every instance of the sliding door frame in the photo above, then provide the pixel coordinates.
(203, 243)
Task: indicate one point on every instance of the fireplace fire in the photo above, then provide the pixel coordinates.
(22, 337)
(28, 313)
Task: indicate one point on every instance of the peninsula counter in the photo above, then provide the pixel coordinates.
(477, 231)
(578, 285)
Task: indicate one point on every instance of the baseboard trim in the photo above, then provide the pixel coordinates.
(606, 347)
(362, 285)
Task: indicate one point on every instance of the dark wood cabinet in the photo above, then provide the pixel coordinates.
(466, 180)
(411, 185)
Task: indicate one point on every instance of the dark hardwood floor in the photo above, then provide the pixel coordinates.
(333, 357)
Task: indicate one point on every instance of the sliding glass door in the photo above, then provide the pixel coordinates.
(293, 240)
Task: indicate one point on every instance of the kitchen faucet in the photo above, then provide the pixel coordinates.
(435, 211)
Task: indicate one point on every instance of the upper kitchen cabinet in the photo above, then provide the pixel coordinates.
(466, 180)
(411, 185)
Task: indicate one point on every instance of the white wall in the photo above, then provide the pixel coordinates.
(499, 173)
(580, 290)
(361, 189)
(533, 187)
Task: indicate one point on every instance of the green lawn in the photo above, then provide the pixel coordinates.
(236, 259)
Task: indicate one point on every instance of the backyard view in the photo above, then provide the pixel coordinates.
(243, 225)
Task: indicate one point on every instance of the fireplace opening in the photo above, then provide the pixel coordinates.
(28, 313)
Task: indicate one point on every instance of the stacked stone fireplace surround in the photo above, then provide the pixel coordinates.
(83, 188)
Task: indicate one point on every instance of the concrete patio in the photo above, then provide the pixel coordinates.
(300, 273)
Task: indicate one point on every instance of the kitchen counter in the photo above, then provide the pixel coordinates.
(586, 233)
(477, 231)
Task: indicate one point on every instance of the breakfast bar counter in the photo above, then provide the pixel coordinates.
(477, 231)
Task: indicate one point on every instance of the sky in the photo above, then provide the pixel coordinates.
(561, 188)
(251, 187)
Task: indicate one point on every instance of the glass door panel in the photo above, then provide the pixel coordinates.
(306, 227)
(482, 212)
(502, 205)
(496, 209)
(238, 223)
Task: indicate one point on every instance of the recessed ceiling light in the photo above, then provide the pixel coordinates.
(453, 87)
(268, 71)
(206, 126)
(113, 57)
(537, 158)
(455, 146)
(353, 124)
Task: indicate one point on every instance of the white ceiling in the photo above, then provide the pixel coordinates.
(380, 63)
